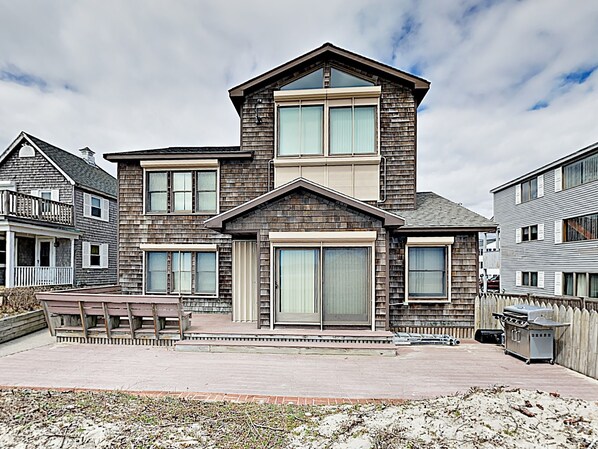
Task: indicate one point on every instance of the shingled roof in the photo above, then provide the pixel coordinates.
(180, 153)
(435, 213)
(82, 173)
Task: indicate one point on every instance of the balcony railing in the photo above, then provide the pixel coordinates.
(36, 276)
(16, 204)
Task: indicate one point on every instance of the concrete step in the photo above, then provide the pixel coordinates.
(286, 347)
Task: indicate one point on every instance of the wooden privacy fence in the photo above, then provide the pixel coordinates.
(576, 346)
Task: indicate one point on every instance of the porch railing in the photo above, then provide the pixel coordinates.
(27, 206)
(36, 276)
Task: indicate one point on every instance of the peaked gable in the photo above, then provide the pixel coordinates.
(387, 218)
(72, 167)
(419, 85)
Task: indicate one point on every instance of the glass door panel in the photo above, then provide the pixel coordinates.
(347, 285)
(298, 285)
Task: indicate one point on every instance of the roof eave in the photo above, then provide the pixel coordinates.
(388, 219)
(445, 229)
(544, 168)
(116, 157)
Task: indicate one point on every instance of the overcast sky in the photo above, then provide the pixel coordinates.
(514, 83)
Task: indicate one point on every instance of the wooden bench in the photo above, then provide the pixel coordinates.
(81, 311)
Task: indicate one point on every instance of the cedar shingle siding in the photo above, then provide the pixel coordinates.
(242, 180)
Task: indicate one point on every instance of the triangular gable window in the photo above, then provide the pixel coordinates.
(342, 79)
(313, 80)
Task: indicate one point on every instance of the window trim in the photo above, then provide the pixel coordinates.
(564, 229)
(169, 250)
(169, 194)
(328, 98)
(104, 207)
(430, 242)
(104, 249)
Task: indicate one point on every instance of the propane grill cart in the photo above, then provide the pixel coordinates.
(529, 331)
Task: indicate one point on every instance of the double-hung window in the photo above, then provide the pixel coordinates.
(182, 272)
(96, 207)
(428, 274)
(182, 192)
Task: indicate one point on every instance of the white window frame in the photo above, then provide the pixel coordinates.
(430, 242)
(174, 248)
(104, 207)
(86, 255)
(190, 166)
(328, 98)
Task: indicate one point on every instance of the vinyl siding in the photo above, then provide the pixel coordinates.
(544, 255)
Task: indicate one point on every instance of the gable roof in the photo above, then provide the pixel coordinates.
(180, 153)
(436, 213)
(569, 158)
(75, 169)
(420, 85)
(387, 218)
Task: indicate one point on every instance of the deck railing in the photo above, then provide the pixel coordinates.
(36, 276)
(27, 206)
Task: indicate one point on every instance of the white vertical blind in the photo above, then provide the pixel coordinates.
(346, 281)
(341, 131)
(364, 129)
(312, 125)
(297, 283)
(289, 131)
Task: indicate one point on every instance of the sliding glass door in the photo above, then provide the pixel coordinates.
(298, 285)
(346, 286)
(329, 285)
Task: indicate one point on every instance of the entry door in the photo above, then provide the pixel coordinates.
(297, 285)
(45, 255)
(245, 298)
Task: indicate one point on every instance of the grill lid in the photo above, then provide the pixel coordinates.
(526, 312)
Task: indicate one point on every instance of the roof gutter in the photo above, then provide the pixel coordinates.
(115, 157)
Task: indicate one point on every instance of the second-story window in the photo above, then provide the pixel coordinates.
(352, 130)
(182, 192)
(580, 172)
(96, 207)
(581, 228)
(157, 192)
(300, 130)
(529, 190)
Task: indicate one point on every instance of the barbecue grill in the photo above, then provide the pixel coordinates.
(529, 331)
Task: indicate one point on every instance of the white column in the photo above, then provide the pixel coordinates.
(72, 261)
(10, 259)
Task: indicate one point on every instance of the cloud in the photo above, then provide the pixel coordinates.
(513, 82)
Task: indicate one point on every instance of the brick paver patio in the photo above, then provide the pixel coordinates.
(417, 372)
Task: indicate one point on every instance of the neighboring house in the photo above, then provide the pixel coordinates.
(489, 254)
(58, 217)
(314, 219)
(548, 222)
